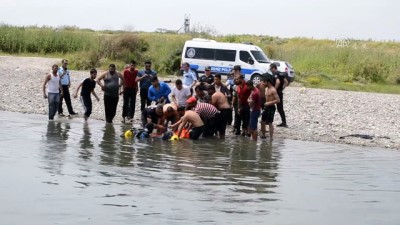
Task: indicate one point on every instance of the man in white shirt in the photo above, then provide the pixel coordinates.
(180, 93)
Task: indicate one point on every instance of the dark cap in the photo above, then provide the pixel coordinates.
(208, 68)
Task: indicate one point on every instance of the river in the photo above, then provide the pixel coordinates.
(71, 172)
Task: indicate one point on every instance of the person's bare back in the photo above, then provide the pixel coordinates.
(220, 101)
(193, 118)
(168, 105)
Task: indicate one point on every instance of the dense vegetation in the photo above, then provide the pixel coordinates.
(363, 65)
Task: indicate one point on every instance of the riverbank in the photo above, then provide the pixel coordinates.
(312, 114)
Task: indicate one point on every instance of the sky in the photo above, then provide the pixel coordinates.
(320, 19)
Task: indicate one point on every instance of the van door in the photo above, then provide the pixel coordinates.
(247, 68)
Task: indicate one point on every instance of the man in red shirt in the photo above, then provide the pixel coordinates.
(130, 90)
(243, 94)
(255, 108)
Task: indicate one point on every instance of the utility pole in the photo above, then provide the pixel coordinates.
(186, 24)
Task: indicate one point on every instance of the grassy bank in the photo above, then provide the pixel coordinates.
(362, 66)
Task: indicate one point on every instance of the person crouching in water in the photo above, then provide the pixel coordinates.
(170, 114)
(88, 86)
(192, 121)
(152, 115)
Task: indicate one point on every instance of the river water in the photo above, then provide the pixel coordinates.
(71, 172)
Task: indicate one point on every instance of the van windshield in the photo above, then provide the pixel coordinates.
(260, 56)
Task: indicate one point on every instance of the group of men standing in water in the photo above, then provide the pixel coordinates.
(200, 106)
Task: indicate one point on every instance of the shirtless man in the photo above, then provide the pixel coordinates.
(272, 99)
(193, 121)
(170, 113)
(261, 87)
(220, 101)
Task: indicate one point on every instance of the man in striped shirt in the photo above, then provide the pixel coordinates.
(207, 113)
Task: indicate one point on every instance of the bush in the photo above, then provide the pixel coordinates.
(231, 38)
(173, 63)
(126, 48)
(368, 71)
(270, 51)
(313, 80)
(86, 60)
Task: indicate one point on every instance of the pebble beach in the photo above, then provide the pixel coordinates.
(312, 114)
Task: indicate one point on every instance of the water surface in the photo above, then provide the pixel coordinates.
(71, 172)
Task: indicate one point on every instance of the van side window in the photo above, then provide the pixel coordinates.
(244, 56)
(208, 53)
(200, 53)
(225, 55)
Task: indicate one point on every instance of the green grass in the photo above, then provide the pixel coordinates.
(376, 88)
(363, 66)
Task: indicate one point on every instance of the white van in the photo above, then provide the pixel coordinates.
(222, 57)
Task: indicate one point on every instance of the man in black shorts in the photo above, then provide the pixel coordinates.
(88, 86)
(272, 99)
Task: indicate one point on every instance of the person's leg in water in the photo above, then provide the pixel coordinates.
(143, 98)
(264, 116)
(268, 117)
(108, 104)
(87, 106)
(113, 110)
(125, 105)
(263, 129)
(196, 132)
(253, 124)
(271, 131)
(237, 122)
(132, 103)
(54, 100)
(221, 122)
(59, 107)
(245, 117)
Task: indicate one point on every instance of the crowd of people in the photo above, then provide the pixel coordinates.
(198, 106)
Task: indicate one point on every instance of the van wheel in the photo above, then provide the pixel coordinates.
(256, 79)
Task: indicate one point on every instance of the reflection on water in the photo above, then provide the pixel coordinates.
(55, 146)
(72, 172)
(86, 142)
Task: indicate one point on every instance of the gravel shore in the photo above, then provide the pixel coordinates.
(312, 114)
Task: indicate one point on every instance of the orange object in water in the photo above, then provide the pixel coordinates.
(184, 134)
